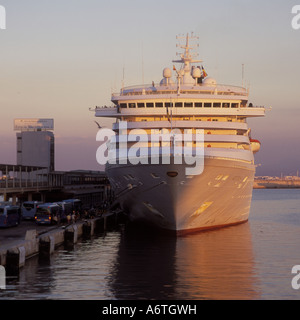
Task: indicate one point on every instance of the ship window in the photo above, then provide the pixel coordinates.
(207, 105)
(178, 104)
(141, 105)
(217, 105)
(234, 105)
(188, 104)
(159, 104)
(226, 105)
(243, 104)
(168, 105)
(123, 105)
(198, 104)
(131, 105)
(149, 104)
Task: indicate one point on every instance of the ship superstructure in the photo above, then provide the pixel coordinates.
(186, 101)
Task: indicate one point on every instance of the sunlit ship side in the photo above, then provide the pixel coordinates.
(164, 195)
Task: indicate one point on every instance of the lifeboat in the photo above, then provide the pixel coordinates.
(255, 145)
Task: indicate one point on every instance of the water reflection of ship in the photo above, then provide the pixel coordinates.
(144, 267)
(210, 265)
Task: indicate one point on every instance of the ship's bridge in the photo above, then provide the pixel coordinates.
(190, 92)
(183, 105)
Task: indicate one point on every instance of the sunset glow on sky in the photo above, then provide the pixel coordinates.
(59, 58)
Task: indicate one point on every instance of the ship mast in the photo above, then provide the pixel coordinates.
(187, 56)
(184, 75)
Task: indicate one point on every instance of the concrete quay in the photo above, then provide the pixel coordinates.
(43, 240)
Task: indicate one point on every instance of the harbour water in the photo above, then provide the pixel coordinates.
(251, 261)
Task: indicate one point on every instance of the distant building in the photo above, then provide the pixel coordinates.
(35, 145)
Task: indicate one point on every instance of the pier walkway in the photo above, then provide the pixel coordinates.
(8, 236)
(28, 239)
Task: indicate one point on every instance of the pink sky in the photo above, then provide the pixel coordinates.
(57, 60)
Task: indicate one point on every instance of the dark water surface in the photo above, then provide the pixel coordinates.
(250, 261)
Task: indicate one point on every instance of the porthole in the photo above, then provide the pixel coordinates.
(172, 174)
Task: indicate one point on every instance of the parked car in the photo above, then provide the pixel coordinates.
(48, 213)
(29, 209)
(9, 215)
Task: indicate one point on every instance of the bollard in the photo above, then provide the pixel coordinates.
(31, 235)
(47, 246)
(100, 225)
(71, 234)
(110, 221)
(15, 259)
(93, 226)
(31, 243)
(87, 228)
(3, 254)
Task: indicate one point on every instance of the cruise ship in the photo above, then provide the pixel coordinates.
(201, 176)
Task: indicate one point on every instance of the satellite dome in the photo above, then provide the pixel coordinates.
(196, 73)
(210, 81)
(167, 73)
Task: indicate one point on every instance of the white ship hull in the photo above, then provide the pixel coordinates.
(196, 118)
(218, 197)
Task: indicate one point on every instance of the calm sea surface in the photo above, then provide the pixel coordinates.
(249, 261)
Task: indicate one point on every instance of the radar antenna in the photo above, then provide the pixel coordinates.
(187, 56)
(185, 76)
